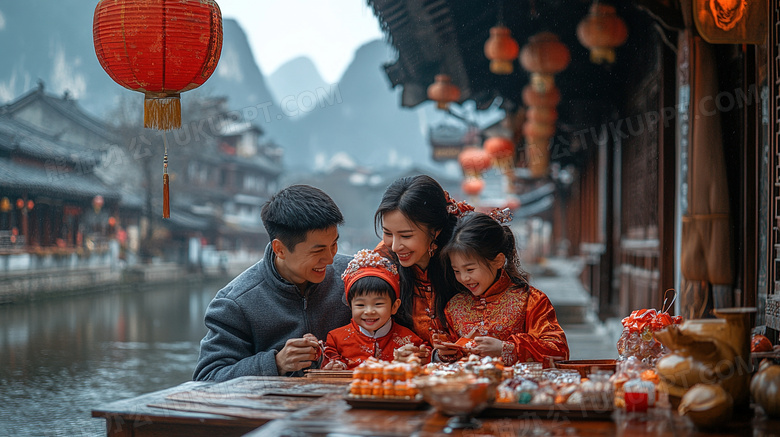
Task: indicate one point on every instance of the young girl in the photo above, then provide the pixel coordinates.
(372, 288)
(496, 307)
(417, 217)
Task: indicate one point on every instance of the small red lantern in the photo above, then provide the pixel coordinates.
(548, 98)
(160, 48)
(544, 56)
(443, 91)
(112, 221)
(601, 31)
(501, 49)
(542, 115)
(502, 151)
(19, 203)
(30, 205)
(472, 186)
(473, 161)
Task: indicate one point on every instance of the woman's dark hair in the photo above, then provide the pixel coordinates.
(422, 200)
(370, 285)
(481, 237)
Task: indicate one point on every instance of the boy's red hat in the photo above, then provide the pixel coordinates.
(369, 262)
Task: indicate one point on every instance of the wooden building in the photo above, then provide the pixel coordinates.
(672, 148)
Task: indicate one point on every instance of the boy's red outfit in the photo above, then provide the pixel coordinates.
(521, 316)
(352, 345)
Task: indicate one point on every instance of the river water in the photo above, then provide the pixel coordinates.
(60, 358)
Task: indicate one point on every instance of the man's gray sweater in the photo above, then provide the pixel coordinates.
(250, 319)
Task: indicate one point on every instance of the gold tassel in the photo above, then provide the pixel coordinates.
(162, 112)
(166, 202)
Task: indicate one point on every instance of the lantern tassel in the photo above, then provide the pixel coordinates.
(162, 112)
(166, 201)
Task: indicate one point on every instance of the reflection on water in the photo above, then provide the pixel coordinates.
(61, 358)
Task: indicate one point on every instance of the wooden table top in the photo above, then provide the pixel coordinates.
(273, 406)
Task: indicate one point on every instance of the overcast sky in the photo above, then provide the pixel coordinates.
(326, 31)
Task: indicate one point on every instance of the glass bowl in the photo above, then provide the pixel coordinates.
(462, 397)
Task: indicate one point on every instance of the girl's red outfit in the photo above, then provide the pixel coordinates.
(352, 345)
(521, 316)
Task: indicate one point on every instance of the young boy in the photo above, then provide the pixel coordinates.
(372, 287)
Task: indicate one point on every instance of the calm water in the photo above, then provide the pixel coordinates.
(60, 358)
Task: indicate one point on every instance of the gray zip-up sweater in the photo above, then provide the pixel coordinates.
(250, 319)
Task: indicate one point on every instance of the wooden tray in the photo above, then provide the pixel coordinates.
(547, 411)
(386, 404)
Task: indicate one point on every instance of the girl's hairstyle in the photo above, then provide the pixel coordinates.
(481, 237)
(423, 201)
(370, 285)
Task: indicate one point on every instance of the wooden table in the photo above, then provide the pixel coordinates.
(315, 407)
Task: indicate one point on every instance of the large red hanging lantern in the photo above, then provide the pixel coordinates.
(544, 56)
(160, 48)
(601, 31)
(443, 91)
(501, 49)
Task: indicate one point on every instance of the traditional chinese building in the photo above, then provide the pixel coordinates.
(663, 114)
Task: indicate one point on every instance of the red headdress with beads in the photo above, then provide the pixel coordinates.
(458, 209)
(369, 262)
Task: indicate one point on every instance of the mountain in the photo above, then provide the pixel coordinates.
(360, 116)
(295, 77)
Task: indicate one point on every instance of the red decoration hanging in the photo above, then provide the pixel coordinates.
(160, 48)
(474, 161)
(472, 186)
(601, 31)
(443, 91)
(544, 56)
(502, 151)
(501, 49)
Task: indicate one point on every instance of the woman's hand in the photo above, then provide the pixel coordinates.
(407, 351)
(488, 347)
(446, 353)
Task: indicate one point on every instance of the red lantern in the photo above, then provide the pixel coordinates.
(501, 49)
(542, 115)
(160, 48)
(30, 205)
(601, 31)
(544, 56)
(548, 98)
(502, 151)
(19, 203)
(443, 91)
(472, 186)
(5, 204)
(473, 161)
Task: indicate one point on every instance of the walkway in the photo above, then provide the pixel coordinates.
(588, 337)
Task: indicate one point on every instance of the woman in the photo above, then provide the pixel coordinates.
(417, 217)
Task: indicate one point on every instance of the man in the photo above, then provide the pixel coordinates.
(267, 320)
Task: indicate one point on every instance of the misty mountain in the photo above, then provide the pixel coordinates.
(294, 77)
(360, 116)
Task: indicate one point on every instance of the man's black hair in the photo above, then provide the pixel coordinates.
(294, 211)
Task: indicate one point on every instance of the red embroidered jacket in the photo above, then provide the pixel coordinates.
(521, 316)
(352, 347)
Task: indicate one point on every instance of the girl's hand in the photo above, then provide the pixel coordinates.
(335, 365)
(407, 351)
(488, 346)
(444, 351)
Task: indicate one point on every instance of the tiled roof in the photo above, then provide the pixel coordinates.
(67, 107)
(17, 137)
(15, 176)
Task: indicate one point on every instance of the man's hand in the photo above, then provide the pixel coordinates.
(297, 354)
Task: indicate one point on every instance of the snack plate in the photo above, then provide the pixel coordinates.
(547, 411)
(386, 404)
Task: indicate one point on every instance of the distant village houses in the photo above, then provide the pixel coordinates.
(80, 195)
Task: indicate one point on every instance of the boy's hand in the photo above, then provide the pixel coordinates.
(297, 354)
(488, 347)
